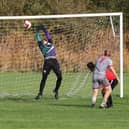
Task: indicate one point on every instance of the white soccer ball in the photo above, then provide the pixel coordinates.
(27, 24)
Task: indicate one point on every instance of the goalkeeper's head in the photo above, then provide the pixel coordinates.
(91, 66)
(45, 41)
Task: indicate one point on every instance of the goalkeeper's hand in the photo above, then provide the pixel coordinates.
(40, 27)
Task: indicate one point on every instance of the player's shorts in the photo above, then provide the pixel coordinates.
(100, 81)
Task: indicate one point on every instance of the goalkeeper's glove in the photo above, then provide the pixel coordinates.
(40, 27)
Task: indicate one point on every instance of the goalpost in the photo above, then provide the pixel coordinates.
(10, 25)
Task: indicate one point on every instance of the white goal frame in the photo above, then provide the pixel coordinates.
(120, 14)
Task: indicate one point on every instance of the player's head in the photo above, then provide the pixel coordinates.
(107, 53)
(91, 66)
(45, 41)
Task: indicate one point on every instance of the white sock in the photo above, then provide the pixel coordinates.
(93, 99)
(103, 103)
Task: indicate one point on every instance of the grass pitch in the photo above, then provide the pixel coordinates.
(23, 112)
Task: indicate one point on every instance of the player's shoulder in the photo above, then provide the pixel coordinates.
(109, 58)
(102, 58)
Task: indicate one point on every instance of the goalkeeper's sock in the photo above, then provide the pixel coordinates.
(56, 95)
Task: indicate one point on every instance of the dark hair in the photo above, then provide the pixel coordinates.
(107, 53)
(45, 39)
(91, 66)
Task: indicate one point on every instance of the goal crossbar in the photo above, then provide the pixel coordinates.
(61, 16)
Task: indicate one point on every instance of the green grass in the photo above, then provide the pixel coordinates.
(23, 112)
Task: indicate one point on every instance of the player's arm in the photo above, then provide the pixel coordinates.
(40, 43)
(47, 34)
(38, 38)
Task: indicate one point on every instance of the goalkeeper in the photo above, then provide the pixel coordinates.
(50, 62)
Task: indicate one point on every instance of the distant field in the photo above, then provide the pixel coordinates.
(19, 110)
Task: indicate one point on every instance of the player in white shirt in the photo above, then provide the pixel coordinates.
(100, 80)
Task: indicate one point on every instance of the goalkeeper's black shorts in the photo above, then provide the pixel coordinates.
(51, 64)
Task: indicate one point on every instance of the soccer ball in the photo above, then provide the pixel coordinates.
(27, 24)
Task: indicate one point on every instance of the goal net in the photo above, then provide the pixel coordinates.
(78, 39)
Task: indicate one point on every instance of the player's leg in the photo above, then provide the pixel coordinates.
(103, 92)
(94, 97)
(108, 91)
(109, 101)
(113, 85)
(95, 90)
(45, 72)
(57, 71)
(107, 88)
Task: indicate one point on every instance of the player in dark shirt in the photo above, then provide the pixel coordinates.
(50, 62)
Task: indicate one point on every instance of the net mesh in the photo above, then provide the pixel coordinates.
(77, 41)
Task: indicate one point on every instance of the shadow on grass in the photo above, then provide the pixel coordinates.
(25, 99)
(70, 105)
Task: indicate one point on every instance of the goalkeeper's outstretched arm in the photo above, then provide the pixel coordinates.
(47, 34)
(45, 45)
(40, 43)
